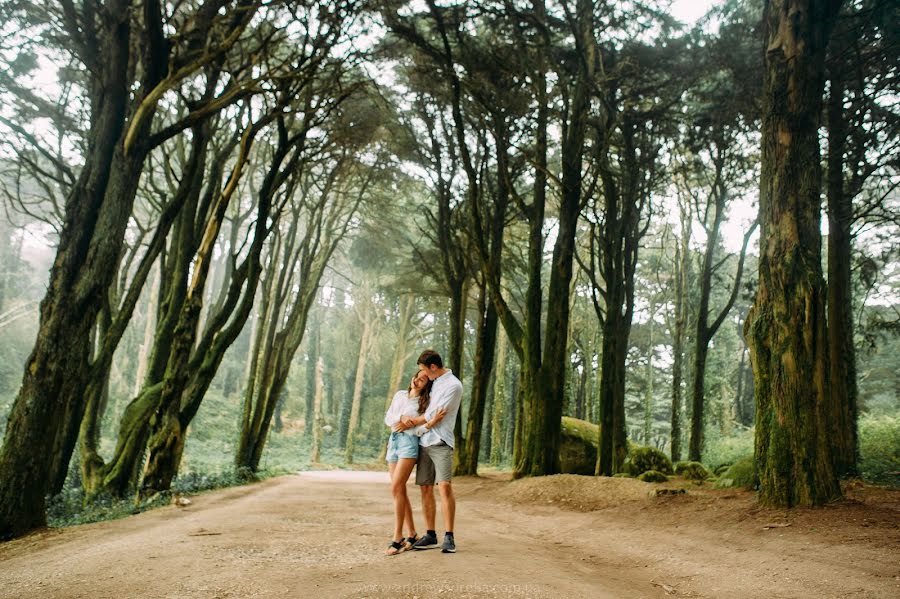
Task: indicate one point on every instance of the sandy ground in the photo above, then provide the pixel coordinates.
(322, 534)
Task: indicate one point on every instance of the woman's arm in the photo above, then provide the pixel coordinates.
(392, 417)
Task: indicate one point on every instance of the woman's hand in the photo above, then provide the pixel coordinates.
(405, 423)
(438, 416)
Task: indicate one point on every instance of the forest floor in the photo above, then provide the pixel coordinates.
(322, 534)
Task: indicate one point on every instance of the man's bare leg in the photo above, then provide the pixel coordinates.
(428, 505)
(448, 504)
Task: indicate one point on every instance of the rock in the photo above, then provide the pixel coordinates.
(740, 474)
(578, 447)
(642, 459)
(692, 470)
(653, 476)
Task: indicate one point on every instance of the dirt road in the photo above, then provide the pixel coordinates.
(322, 534)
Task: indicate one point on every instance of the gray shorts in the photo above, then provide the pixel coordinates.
(435, 464)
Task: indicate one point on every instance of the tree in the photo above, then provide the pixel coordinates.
(862, 146)
(786, 327)
(105, 42)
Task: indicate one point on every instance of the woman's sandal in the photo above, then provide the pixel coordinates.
(394, 548)
(408, 542)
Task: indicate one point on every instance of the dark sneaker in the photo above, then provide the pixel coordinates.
(449, 546)
(427, 541)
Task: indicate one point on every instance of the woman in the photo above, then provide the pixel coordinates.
(403, 449)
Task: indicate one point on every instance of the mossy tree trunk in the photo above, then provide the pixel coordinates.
(486, 340)
(121, 472)
(500, 404)
(56, 369)
(786, 328)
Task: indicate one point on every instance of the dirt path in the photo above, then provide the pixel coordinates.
(322, 534)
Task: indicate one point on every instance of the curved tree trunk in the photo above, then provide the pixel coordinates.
(89, 245)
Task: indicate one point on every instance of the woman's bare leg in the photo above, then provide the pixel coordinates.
(408, 520)
(402, 508)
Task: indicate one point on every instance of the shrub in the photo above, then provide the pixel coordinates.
(653, 476)
(643, 459)
(720, 451)
(691, 470)
(879, 450)
(739, 474)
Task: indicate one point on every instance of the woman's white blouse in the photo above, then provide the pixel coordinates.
(403, 405)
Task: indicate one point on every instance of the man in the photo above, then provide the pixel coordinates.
(435, 462)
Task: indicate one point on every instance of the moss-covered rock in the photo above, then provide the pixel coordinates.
(653, 476)
(642, 459)
(739, 474)
(692, 470)
(721, 468)
(578, 446)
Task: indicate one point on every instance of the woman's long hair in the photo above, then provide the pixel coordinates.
(424, 394)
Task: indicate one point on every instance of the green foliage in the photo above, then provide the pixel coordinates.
(726, 450)
(691, 470)
(739, 474)
(653, 476)
(622, 475)
(643, 459)
(69, 508)
(879, 450)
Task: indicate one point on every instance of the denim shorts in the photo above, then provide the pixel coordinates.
(402, 445)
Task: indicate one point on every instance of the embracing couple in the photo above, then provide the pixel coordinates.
(421, 419)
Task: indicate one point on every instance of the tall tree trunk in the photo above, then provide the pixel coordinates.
(501, 404)
(648, 396)
(315, 457)
(312, 361)
(143, 359)
(88, 247)
(842, 411)
(682, 257)
(122, 471)
(407, 308)
(458, 300)
(486, 341)
(365, 344)
(786, 327)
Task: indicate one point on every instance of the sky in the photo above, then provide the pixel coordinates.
(688, 11)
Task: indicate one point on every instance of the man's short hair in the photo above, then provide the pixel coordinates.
(430, 357)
